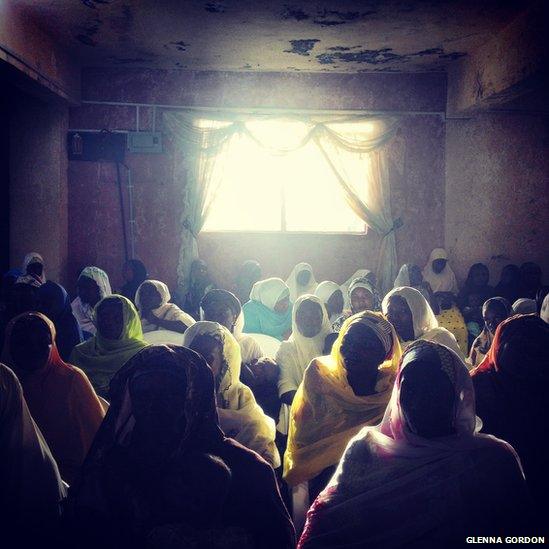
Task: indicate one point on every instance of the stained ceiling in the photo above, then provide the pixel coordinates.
(274, 35)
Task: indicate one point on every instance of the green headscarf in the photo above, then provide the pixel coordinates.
(100, 357)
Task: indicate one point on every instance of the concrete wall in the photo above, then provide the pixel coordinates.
(95, 221)
(497, 191)
(38, 183)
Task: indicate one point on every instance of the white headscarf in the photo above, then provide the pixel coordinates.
(83, 312)
(165, 311)
(324, 291)
(424, 320)
(525, 306)
(440, 282)
(31, 485)
(403, 277)
(295, 354)
(361, 273)
(240, 416)
(32, 257)
(269, 292)
(544, 312)
(295, 289)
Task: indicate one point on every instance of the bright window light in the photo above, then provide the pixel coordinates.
(263, 191)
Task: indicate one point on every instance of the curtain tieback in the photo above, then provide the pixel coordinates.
(187, 225)
(397, 223)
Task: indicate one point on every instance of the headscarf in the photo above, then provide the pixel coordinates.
(31, 485)
(509, 283)
(195, 489)
(366, 283)
(259, 314)
(295, 354)
(326, 413)
(484, 291)
(424, 320)
(295, 288)
(525, 306)
(83, 312)
(165, 311)
(483, 342)
(324, 291)
(61, 400)
(55, 304)
(249, 348)
(101, 358)
(544, 312)
(389, 471)
(361, 273)
(440, 282)
(403, 279)
(239, 414)
(28, 278)
(139, 275)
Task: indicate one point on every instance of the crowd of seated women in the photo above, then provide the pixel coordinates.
(273, 413)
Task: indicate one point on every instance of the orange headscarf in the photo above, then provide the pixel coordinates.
(61, 401)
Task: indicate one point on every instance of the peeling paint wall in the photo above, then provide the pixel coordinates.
(95, 227)
(497, 191)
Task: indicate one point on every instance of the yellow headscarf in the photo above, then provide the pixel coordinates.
(326, 413)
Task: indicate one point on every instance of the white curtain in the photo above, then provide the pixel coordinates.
(204, 138)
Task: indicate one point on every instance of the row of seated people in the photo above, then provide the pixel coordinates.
(323, 406)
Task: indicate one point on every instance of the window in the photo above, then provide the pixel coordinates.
(297, 191)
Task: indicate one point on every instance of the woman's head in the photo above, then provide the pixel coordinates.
(53, 300)
(273, 293)
(335, 302)
(210, 349)
(149, 296)
(109, 315)
(409, 312)
(438, 260)
(199, 271)
(510, 274)
(221, 306)
(427, 390)
(366, 342)
(93, 285)
(415, 275)
(478, 276)
(361, 295)
(400, 316)
(303, 276)
(494, 312)
(309, 317)
(134, 271)
(31, 338)
(520, 349)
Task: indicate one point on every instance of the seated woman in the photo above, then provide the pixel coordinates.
(310, 326)
(430, 480)
(93, 285)
(268, 311)
(239, 415)
(363, 296)
(339, 395)
(408, 311)
(411, 275)
(544, 310)
(301, 281)
(60, 397)
(152, 299)
(248, 274)
(200, 283)
(161, 473)
(438, 273)
(332, 297)
(53, 301)
(224, 307)
(135, 273)
(450, 317)
(494, 312)
(31, 486)
(511, 395)
(33, 270)
(119, 336)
